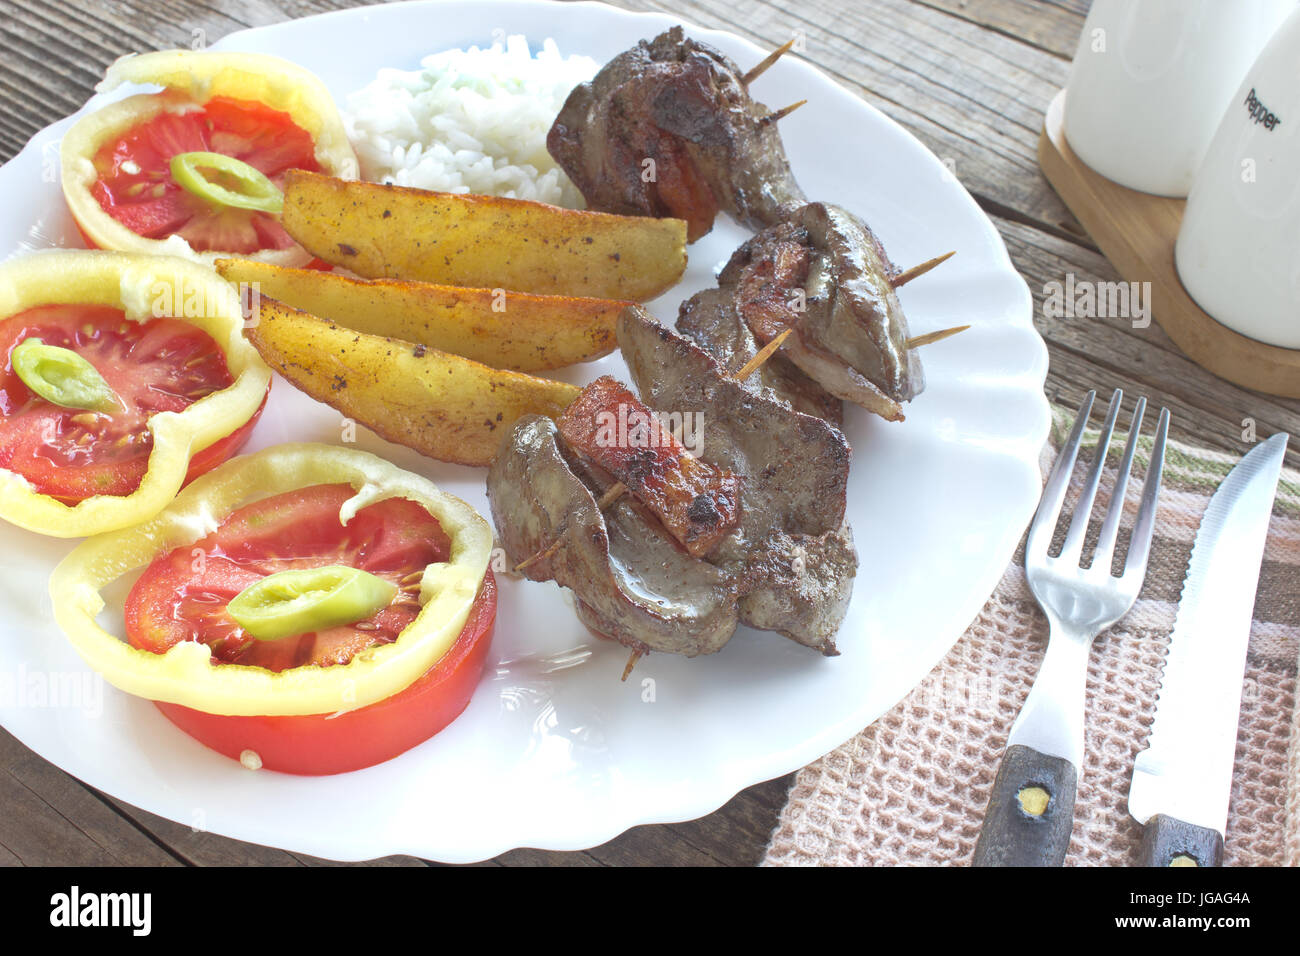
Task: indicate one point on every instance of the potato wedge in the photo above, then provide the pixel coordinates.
(483, 242)
(513, 330)
(442, 405)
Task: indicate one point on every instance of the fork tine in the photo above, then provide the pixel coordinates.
(1049, 507)
(1139, 549)
(1110, 526)
(1073, 546)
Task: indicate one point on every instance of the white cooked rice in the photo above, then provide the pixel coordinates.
(469, 121)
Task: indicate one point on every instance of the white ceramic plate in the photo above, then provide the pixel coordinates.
(554, 752)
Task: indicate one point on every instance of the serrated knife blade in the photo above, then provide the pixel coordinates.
(1182, 781)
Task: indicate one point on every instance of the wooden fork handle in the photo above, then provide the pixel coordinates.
(1168, 841)
(1030, 812)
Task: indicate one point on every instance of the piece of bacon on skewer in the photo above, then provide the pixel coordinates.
(698, 503)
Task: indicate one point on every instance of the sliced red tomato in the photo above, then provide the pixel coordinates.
(267, 112)
(135, 184)
(183, 596)
(337, 743)
(163, 365)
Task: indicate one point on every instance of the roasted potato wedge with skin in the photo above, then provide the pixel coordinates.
(485, 242)
(514, 330)
(442, 405)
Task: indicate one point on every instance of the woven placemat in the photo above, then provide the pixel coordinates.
(912, 788)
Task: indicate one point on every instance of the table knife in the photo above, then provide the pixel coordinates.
(1182, 781)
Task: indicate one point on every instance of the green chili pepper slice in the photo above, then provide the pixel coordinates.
(251, 189)
(302, 600)
(62, 376)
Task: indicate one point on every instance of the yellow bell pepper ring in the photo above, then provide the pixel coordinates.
(186, 674)
(144, 288)
(191, 80)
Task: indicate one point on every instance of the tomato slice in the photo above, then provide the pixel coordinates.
(318, 744)
(163, 365)
(135, 184)
(183, 595)
(115, 162)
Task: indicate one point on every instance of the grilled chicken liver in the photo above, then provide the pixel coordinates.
(633, 581)
(787, 566)
(667, 128)
(709, 319)
(793, 556)
(823, 272)
(803, 586)
(795, 467)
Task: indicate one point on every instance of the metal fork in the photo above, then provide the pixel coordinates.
(1031, 809)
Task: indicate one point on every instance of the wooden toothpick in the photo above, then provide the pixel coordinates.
(917, 341)
(768, 60)
(781, 113)
(631, 662)
(903, 278)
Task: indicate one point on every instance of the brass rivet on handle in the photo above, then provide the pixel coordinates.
(1033, 800)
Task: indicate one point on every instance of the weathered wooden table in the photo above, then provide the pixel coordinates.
(971, 78)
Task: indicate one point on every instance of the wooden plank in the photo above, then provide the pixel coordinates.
(528, 856)
(57, 50)
(1050, 27)
(197, 847)
(650, 846)
(386, 861)
(33, 833)
(736, 834)
(1106, 353)
(52, 819)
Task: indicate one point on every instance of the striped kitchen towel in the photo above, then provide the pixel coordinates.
(912, 788)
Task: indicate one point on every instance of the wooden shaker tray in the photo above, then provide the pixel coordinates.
(1136, 232)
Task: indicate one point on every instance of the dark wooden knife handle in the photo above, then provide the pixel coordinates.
(1030, 812)
(1167, 841)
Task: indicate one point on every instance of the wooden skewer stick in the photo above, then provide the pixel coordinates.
(781, 113)
(631, 662)
(919, 270)
(611, 495)
(543, 554)
(761, 356)
(768, 60)
(917, 341)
